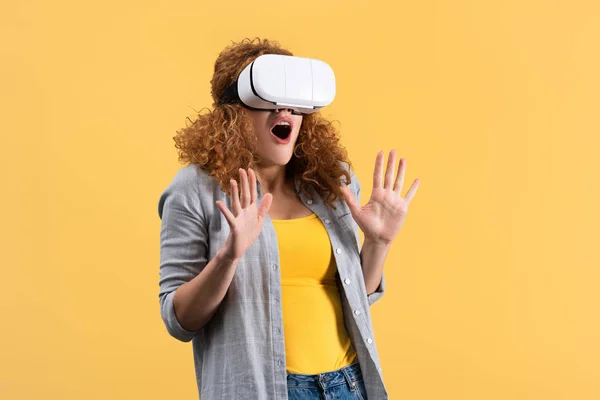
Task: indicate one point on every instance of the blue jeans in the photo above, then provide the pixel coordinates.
(343, 384)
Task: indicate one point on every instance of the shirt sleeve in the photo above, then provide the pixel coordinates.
(183, 250)
(377, 294)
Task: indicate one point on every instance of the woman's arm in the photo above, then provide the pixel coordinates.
(196, 301)
(372, 257)
(191, 287)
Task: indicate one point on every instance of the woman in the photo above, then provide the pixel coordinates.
(267, 276)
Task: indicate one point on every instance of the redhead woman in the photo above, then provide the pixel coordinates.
(261, 265)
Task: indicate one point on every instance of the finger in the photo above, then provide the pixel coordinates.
(412, 191)
(389, 172)
(253, 194)
(235, 198)
(400, 177)
(243, 188)
(247, 189)
(349, 197)
(228, 215)
(377, 172)
(265, 204)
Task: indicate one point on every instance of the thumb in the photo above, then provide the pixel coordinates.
(349, 197)
(228, 215)
(265, 204)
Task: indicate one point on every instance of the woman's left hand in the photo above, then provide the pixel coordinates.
(382, 217)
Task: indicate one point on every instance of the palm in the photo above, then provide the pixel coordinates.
(247, 219)
(246, 229)
(383, 215)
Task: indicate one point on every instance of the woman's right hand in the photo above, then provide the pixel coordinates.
(246, 221)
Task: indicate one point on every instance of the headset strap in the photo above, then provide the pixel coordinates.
(230, 95)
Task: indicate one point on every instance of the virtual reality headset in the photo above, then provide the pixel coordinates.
(274, 81)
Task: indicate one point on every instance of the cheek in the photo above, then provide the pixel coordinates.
(259, 126)
(259, 120)
(298, 124)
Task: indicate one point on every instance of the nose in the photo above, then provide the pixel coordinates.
(291, 110)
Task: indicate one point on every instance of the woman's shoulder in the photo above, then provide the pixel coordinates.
(192, 181)
(191, 173)
(190, 187)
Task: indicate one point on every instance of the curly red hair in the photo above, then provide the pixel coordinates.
(222, 140)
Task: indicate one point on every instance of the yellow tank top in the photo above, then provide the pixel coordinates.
(315, 335)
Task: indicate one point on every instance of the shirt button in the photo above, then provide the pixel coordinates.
(276, 298)
(274, 267)
(339, 251)
(327, 221)
(279, 362)
(309, 201)
(347, 281)
(357, 312)
(369, 340)
(278, 330)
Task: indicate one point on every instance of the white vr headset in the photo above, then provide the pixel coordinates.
(274, 81)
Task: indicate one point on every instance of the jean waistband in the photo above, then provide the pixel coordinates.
(348, 375)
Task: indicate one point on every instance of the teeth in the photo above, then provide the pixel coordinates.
(283, 123)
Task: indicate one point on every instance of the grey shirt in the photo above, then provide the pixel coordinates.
(240, 353)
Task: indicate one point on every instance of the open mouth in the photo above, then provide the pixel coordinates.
(282, 130)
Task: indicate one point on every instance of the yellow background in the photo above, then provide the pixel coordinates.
(493, 282)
